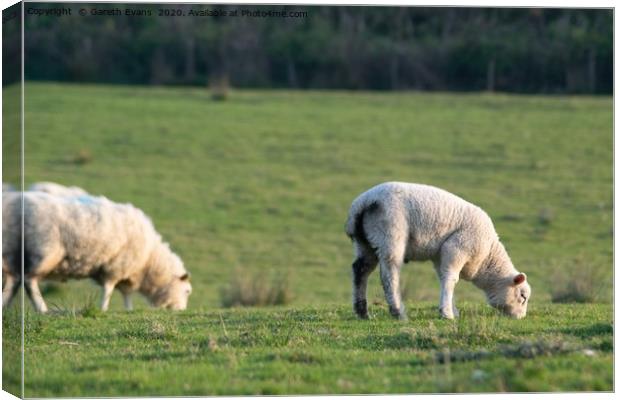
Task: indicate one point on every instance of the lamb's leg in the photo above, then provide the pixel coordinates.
(364, 264)
(390, 280)
(32, 289)
(446, 297)
(11, 286)
(127, 301)
(388, 233)
(108, 288)
(455, 311)
(452, 261)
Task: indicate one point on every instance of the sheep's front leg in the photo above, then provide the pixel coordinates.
(364, 264)
(448, 271)
(390, 279)
(32, 288)
(446, 298)
(108, 288)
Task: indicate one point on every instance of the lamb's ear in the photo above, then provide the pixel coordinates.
(185, 276)
(519, 279)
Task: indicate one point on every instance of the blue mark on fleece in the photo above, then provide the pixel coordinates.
(85, 199)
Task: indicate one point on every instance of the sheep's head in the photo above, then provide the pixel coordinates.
(170, 281)
(511, 296)
(178, 293)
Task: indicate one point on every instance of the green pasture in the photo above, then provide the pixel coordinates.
(314, 350)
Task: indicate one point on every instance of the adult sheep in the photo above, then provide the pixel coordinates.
(89, 237)
(57, 189)
(394, 223)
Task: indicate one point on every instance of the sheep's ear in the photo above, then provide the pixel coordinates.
(185, 276)
(519, 279)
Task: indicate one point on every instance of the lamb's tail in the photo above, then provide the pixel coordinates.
(354, 226)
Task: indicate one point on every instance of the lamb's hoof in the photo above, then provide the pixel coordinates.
(361, 309)
(446, 314)
(399, 314)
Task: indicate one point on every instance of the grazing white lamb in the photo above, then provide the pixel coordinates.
(89, 237)
(394, 223)
(57, 189)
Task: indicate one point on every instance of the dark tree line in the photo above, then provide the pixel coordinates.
(386, 48)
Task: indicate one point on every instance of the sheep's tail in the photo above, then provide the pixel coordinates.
(354, 226)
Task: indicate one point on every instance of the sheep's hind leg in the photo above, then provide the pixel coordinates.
(45, 261)
(127, 301)
(11, 287)
(364, 264)
(390, 280)
(32, 288)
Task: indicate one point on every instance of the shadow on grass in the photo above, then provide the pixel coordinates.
(591, 330)
(398, 341)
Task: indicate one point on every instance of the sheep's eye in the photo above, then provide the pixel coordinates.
(524, 298)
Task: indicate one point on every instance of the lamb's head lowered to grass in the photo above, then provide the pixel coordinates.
(394, 223)
(511, 295)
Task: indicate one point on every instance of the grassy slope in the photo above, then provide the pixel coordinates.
(263, 182)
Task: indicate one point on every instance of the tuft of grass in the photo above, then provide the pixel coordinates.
(51, 288)
(511, 217)
(82, 156)
(546, 216)
(248, 290)
(581, 282)
(88, 309)
(219, 85)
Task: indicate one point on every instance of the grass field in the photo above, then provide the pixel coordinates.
(261, 184)
(309, 350)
